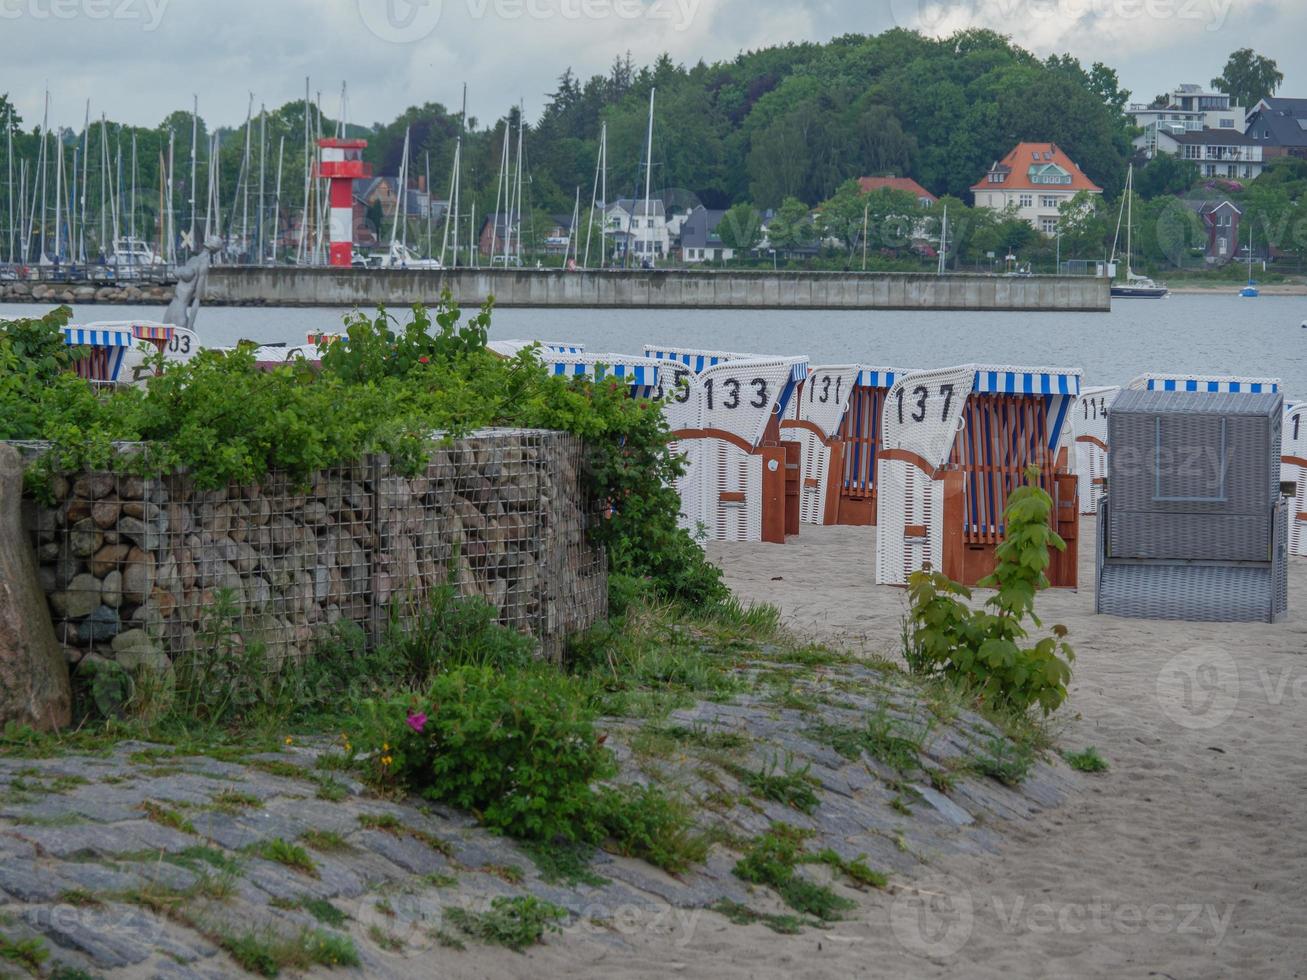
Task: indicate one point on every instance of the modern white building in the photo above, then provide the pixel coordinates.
(1036, 179)
(1218, 152)
(1190, 108)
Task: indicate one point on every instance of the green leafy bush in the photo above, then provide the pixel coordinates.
(389, 389)
(519, 749)
(643, 822)
(981, 648)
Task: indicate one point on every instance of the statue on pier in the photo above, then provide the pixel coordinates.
(185, 305)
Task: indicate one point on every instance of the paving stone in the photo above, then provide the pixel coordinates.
(99, 879)
(27, 882)
(407, 852)
(949, 810)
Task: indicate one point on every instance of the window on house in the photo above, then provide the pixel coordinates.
(1221, 245)
(1047, 201)
(1027, 200)
(1048, 226)
(1227, 124)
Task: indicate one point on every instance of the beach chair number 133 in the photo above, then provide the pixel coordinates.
(917, 402)
(732, 387)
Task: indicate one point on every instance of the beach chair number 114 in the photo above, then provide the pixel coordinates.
(1099, 406)
(919, 399)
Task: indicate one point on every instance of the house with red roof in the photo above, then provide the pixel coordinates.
(891, 183)
(1036, 179)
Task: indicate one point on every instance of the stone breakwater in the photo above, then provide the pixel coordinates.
(141, 570)
(84, 293)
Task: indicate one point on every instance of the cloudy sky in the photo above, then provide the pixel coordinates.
(139, 59)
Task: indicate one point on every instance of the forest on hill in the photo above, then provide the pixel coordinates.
(793, 121)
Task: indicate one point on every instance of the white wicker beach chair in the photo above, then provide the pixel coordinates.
(919, 423)
(640, 373)
(511, 348)
(1089, 430)
(1293, 469)
(693, 358)
(109, 344)
(814, 419)
(954, 444)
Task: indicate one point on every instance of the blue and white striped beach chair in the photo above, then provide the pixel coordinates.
(955, 444)
(107, 351)
(813, 421)
(640, 374)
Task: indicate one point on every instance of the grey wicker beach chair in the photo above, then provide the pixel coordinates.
(1194, 525)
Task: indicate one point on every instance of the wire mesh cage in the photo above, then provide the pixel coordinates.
(138, 567)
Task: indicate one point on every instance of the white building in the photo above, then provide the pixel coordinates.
(647, 235)
(1035, 179)
(1218, 152)
(1190, 108)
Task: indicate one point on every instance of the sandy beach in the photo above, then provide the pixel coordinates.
(1185, 860)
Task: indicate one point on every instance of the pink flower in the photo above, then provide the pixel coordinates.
(417, 721)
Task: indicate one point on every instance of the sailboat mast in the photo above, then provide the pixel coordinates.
(594, 196)
(261, 212)
(45, 167)
(517, 206)
(195, 137)
(59, 197)
(496, 215)
(1130, 220)
(9, 180)
(399, 194)
(276, 199)
(86, 161)
(132, 220)
(648, 177)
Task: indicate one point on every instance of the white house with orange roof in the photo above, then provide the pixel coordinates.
(1036, 179)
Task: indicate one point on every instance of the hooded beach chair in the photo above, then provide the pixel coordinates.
(1089, 432)
(1194, 525)
(640, 374)
(1210, 383)
(856, 442)
(1293, 469)
(955, 443)
(741, 478)
(511, 348)
(110, 344)
(813, 422)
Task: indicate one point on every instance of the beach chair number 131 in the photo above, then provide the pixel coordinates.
(918, 400)
(824, 388)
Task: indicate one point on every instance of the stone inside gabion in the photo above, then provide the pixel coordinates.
(134, 567)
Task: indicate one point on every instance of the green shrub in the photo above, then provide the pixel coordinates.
(1087, 760)
(518, 749)
(643, 822)
(386, 390)
(513, 922)
(980, 648)
(771, 860)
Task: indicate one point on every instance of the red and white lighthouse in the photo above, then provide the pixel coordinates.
(341, 162)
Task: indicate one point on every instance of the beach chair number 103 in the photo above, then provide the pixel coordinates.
(918, 401)
(732, 388)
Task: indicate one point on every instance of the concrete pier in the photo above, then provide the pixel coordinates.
(658, 289)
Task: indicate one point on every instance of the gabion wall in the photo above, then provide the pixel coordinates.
(133, 566)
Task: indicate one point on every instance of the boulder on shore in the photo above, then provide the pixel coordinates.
(34, 687)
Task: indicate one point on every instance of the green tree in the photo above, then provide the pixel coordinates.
(741, 228)
(1083, 226)
(844, 216)
(1248, 78)
(791, 226)
(1166, 174)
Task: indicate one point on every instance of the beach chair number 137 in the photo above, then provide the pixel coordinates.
(918, 400)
